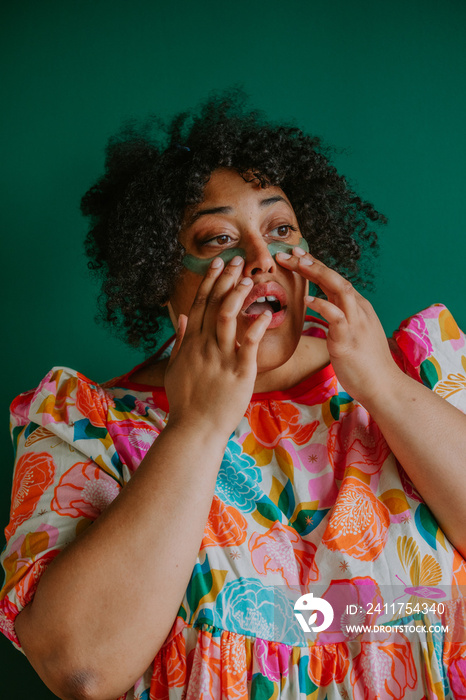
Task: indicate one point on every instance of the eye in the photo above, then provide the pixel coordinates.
(282, 231)
(217, 241)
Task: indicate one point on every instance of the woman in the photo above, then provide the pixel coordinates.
(259, 462)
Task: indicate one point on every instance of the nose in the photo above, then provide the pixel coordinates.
(258, 257)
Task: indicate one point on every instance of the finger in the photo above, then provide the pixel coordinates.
(337, 289)
(180, 331)
(198, 307)
(247, 352)
(337, 320)
(227, 317)
(224, 284)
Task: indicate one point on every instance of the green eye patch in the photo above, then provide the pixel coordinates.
(201, 265)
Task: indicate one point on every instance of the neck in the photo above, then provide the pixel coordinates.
(310, 356)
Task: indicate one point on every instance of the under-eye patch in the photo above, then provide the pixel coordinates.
(201, 265)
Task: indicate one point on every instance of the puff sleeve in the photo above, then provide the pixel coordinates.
(430, 347)
(66, 473)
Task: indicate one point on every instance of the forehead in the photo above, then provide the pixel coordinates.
(228, 186)
(230, 197)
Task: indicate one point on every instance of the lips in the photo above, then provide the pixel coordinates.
(269, 295)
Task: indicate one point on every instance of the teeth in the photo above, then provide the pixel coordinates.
(260, 300)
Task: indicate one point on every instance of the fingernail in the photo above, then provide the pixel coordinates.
(299, 251)
(267, 313)
(246, 281)
(309, 300)
(216, 262)
(306, 261)
(237, 260)
(284, 256)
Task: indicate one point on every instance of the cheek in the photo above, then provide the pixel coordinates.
(185, 292)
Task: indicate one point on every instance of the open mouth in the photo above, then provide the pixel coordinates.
(264, 303)
(266, 296)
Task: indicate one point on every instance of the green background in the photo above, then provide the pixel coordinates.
(384, 82)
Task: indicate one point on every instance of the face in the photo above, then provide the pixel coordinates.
(239, 214)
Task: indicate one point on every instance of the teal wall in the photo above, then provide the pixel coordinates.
(384, 82)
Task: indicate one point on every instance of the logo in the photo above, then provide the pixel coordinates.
(308, 603)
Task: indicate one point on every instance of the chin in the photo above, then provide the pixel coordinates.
(272, 355)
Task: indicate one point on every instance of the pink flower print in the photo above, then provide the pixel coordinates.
(314, 457)
(384, 669)
(282, 549)
(273, 658)
(141, 438)
(356, 441)
(457, 675)
(84, 491)
(413, 340)
(20, 407)
(323, 489)
(408, 487)
(362, 592)
(132, 439)
(8, 613)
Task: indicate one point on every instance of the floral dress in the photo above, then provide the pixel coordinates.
(309, 499)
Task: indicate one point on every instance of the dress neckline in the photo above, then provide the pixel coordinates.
(301, 389)
(313, 326)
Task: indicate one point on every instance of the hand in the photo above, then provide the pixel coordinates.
(356, 341)
(210, 377)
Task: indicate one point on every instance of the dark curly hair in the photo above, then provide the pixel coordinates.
(154, 171)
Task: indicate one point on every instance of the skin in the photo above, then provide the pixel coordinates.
(93, 640)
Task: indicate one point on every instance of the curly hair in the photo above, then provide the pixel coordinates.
(154, 171)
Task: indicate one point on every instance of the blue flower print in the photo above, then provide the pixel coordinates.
(238, 479)
(246, 606)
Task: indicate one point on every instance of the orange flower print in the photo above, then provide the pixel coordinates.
(89, 403)
(28, 584)
(359, 522)
(356, 441)
(233, 665)
(328, 663)
(459, 575)
(226, 527)
(33, 475)
(273, 421)
(384, 669)
(29, 556)
(282, 549)
(84, 491)
(169, 668)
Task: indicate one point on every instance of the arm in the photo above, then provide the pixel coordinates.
(105, 605)
(426, 433)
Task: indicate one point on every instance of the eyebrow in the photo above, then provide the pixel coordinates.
(229, 210)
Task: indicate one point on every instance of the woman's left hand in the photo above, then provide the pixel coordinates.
(356, 341)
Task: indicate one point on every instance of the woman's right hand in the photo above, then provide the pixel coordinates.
(210, 377)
